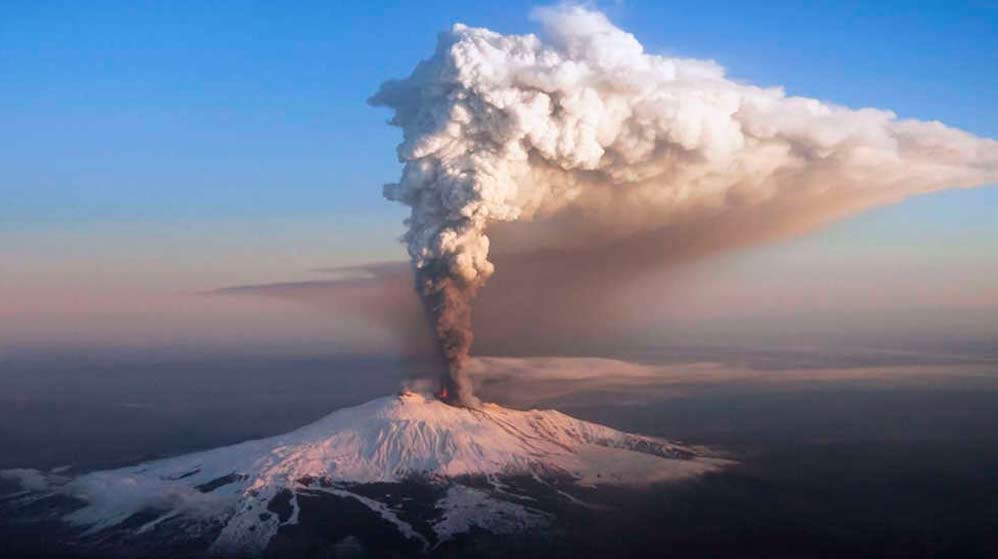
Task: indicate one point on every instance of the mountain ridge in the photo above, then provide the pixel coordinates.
(242, 495)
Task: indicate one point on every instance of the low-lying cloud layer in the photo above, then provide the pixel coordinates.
(546, 381)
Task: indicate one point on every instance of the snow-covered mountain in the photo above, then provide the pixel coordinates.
(237, 498)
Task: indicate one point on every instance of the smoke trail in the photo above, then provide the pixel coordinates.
(587, 133)
(447, 300)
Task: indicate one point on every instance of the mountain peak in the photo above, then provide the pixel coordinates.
(389, 440)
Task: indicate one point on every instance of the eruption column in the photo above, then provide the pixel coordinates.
(586, 132)
(447, 301)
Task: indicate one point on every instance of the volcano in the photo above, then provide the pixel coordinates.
(422, 471)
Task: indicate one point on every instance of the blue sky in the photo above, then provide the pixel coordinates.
(201, 110)
(188, 145)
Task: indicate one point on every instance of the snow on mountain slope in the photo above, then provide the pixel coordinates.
(389, 439)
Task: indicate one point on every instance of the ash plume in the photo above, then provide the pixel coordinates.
(578, 142)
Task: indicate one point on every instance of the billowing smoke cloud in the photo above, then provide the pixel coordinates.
(600, 144)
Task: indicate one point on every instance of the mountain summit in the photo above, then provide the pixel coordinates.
(428, 469)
